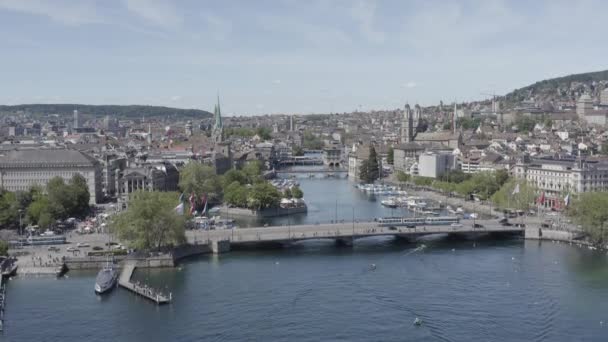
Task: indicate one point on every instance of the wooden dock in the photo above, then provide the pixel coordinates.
(140, 289)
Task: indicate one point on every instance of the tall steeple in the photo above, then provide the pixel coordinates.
(218, 115)
(454, 119)
(407, 126)
(218, 127)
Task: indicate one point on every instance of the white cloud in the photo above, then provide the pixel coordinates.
(157, 12)
(410, 84)
(176, 98)
(276, 81)
(364, 13)
(72, 13)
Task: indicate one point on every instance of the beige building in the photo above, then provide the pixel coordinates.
(21, 169)
(558, 177)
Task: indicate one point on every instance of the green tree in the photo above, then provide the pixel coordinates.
(296, 192)
(150, 221)
(468, 123)
(287, 193)
(39, 208)
(253, 171)
(60, 200)
(264, 133)
(390, 158)
(200, 179)
(79, 196)
(236, 194)
(525, 123)
(522, 199)
(589, 210)
(402, 176)
(372, 165)
(501, 176)
(232, 176)
(9, 210)
(364, 172)
(311, 141)
(3, 248)
(263, 195)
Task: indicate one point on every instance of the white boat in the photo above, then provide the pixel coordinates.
(390, 202)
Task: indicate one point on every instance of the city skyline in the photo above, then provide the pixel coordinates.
(289, 57)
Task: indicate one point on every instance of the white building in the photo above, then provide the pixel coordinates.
(21, 169)
(435, 164)
(558, 177)
(604, 97)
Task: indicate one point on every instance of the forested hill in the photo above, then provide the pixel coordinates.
(123, 112)
(561, 88)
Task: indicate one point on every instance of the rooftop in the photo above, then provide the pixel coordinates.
(42, 157)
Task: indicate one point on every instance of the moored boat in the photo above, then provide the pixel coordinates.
(106, 278)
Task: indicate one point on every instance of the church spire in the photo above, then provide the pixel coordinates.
(218, 114)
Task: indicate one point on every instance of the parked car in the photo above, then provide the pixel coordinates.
(477, 225)
(82, 244)
(520, 225)
(411, 226)
(72, 249)
(456, 225)
(53, 249)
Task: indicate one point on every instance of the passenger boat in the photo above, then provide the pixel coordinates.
(106, 278)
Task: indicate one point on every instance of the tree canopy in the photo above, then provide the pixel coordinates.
(200, 179)
(311, 141)
(150, 221)
(589, 210)
(37, 206)
(516, 194)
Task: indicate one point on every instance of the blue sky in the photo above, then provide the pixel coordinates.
(290, 56)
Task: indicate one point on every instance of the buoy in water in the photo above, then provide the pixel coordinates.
(417, 321)
(372, 267)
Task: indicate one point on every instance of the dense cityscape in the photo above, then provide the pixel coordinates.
(217, 216)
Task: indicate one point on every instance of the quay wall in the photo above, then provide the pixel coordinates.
(97, 262)
(537, 233)
(188, 250)
(269, 212)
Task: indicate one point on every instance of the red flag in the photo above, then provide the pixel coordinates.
(541, 199)
(191, 200)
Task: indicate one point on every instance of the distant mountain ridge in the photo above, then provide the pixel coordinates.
(119, 111)
(561, 88)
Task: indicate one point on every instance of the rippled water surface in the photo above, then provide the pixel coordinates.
(500, 291)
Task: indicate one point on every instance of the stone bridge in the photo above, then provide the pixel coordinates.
(343, 233)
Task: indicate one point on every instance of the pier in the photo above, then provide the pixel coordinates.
(140, 289)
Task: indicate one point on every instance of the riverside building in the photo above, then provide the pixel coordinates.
(21, 169)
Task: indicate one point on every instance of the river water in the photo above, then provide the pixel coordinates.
(510, 290)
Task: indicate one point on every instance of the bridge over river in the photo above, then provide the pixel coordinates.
(343, 233)
(312, 171)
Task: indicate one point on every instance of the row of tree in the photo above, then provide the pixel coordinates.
(44, 206)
